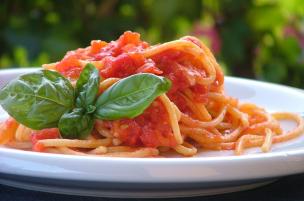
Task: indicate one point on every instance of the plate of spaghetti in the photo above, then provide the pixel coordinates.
(147, 120)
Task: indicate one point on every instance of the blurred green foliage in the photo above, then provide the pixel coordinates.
(261, 39)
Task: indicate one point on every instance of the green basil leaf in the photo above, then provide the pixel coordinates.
(91, 109)
(87, 86)
(76, 124)
(38, 100)
(130, 96)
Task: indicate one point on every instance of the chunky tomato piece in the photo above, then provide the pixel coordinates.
(68, 62)
(121, 66)
(149, 67)
(49, 133)
(150, 129)
(96, 46)
(156, 126)
(127, 64)
(130, 132)
(69, 66)
(129, 38)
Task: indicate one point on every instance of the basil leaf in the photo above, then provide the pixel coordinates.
(87, 87)
(130, 96)
(38, 100)
(76, 124)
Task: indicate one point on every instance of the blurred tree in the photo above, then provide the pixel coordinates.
(261, 39)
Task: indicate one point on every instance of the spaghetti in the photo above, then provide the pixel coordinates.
(194, 114)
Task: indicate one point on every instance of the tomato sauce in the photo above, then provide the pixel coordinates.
(49, 133)
(124, 57)
(150, 129)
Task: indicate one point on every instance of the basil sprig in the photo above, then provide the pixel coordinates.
(46, 99)
(79, 122)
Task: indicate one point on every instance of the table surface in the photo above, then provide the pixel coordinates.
(286, 189)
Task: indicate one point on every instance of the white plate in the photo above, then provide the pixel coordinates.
(210, 172)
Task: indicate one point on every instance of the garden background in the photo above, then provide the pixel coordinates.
(261, 39)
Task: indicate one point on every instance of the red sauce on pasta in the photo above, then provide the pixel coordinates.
(124, 57)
